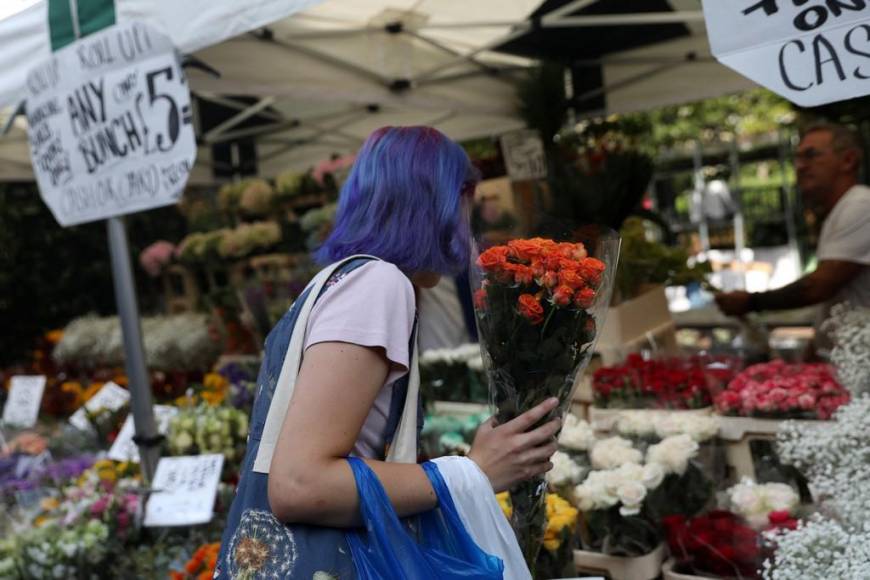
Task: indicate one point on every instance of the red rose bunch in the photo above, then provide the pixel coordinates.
(718, 544)
(666, 383)
(781, 390)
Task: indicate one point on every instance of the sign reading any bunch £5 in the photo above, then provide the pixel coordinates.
(110, 125)
(809, 51)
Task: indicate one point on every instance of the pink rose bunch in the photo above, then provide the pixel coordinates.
(156, 257)
(780, 390)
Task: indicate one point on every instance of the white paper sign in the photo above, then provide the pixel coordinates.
(809, 51)
(523, 153)
(123, 448)
(187, 487)
(110, 125)
(111, 397)
(25, 397)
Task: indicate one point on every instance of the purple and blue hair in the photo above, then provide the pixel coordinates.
(402, 202)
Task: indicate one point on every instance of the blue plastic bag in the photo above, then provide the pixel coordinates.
(433, 545)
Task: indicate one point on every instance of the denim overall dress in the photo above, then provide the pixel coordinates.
(255, 544)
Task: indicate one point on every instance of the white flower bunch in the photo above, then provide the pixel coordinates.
(663, 424)
(849, 328)
(755, 501)
(673, 453)
(626, 485)
(613, 452)
(462, 354)
(172, 343)
(565, 470)
(820, 549)
(576, 434)
(835, 458)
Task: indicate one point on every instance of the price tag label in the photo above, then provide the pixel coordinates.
(186, 488)
(25, 397)
(111, 397)
(124, 449)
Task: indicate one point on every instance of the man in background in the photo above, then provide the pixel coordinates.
(827, 161)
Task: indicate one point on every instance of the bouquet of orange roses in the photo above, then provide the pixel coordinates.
(539, 305)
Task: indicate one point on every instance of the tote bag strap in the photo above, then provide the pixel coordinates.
(403, 448)
(290, 369)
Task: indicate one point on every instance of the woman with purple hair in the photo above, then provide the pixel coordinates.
(339, 379)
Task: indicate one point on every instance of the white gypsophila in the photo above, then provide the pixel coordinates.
(577, 434)
(638, 423)
(820, 549)
(613, 452)
(849, 328)
(755, 501)
(701, 428)
(835, 458)
(565, 471)
(673, 453)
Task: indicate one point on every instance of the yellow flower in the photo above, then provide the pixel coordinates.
(504, 500)
(88, 393)
(184, 401)
(560, 515)
(213, 398)
(49, 503)
(215, 382)
(39, 521)
(54, 336)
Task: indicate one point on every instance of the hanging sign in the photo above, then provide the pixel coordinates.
(185, 490)
(110, 125)
(523, 153)
(25, 397)
(809, 51)
(111, 397)
(124, 449)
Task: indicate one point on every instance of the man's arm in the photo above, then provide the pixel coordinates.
(823, 284)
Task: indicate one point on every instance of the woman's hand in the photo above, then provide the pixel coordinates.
(510, 453)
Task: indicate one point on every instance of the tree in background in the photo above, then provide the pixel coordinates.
(50, 275)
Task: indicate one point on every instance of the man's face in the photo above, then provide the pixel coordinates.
(819, 166)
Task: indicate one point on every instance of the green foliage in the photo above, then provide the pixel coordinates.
(645, 262)
(50, 275)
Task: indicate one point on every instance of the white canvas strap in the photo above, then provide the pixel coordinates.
(404, 448)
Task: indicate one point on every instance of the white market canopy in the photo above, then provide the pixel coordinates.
(319, 82)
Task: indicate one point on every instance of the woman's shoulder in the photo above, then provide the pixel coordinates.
(377, 275)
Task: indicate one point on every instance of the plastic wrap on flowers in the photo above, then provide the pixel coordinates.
(539, 305)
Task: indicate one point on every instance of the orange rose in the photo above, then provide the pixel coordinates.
(537, 267)
(550, 279)
(525, 250)
(584, 297)
(480, 298)
(591, 270)
(493, 258)
(530, 308)
(562, 295)
(571, 279)
(523, 275)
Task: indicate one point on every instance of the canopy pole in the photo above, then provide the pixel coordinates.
(134, 354)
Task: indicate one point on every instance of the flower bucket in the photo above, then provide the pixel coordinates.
(739, 432)
(647, 567)
(669, 574)
(605, 419)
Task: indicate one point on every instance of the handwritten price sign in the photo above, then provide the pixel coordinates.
(186, 490)
(110, 125)
(809, 51)
(25, 397)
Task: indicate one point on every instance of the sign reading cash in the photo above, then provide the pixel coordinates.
(809, 51)
(110, 125)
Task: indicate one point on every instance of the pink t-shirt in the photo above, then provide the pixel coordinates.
(372, 306)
